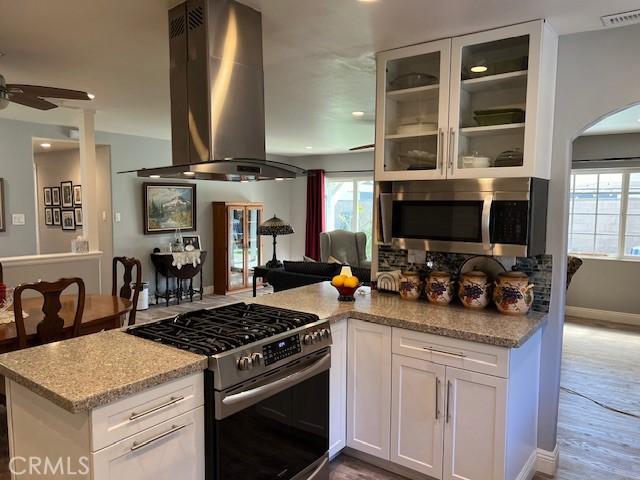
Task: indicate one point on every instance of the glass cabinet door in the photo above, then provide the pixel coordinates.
(412, 112)
(490, 100)
(254, 218)
(236, 243)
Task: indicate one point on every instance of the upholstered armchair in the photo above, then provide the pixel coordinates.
(348, 247)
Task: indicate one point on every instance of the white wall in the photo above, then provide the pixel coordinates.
(357, 161)
(598, 147)
(597, 75)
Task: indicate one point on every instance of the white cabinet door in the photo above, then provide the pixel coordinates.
(369, 388)
(412, 112)
(174, 449)
(338, 388)
(493, 71)
(417, 418)
(474, 438)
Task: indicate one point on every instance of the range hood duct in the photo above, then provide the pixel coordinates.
(217, 95)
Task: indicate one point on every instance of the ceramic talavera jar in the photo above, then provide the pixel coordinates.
(410, 286)
(474, 290)
(439, 288)
(513, 294)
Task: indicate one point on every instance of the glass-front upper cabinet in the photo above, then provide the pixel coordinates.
(412, 111)
(495, 101)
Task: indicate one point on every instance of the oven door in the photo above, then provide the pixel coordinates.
(275, 426)
(442, 222)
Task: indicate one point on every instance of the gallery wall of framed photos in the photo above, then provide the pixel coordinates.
(62, 205)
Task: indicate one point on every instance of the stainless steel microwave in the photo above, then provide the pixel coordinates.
(488, 216)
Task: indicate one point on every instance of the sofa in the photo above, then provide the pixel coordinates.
(298, 274)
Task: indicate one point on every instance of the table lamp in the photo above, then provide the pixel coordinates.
(274, 227)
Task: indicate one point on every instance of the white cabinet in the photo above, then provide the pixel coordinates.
(369, 388)
(474, 106)
(475, 416)
(338, 388)
(417, 419)
(173, 449)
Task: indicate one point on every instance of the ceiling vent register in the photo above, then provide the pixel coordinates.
(621, 19)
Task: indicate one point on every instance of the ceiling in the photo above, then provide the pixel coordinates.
(625, 121)
(55, 145)
(319, 63)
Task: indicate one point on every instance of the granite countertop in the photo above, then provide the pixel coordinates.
(483, 326)
(85, 372)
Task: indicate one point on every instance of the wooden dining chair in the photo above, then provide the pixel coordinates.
(126, 291)
(51, 327)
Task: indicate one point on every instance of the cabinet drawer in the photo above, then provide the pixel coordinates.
(476, 357)
(173, 449)
(130, 415)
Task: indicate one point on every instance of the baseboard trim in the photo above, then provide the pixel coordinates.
(529, 469)
(604, 315)
(546, 461)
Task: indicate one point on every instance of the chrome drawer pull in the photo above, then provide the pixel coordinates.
(168, 403)
(138, 446)
(442, 352)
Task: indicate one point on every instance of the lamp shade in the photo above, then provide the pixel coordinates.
(275, 226)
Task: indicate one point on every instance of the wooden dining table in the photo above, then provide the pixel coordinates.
(101, 312)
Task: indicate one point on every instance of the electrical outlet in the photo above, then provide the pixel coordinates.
(118, 217)
(18, 219)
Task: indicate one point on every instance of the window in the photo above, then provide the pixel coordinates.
(349, 205)
(604, 213)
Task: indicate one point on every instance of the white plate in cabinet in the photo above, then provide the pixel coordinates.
(474, 437)
(369, 388)
(338, 388)
(130, 415)
(477, 357)
(172, 450)
(417, 415)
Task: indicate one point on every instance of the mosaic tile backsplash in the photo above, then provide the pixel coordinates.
(538, 268)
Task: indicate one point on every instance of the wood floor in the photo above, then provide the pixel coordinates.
(595, 444)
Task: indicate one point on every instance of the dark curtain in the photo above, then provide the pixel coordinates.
(315, 213)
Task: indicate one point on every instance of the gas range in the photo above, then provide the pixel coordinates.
(241, 340)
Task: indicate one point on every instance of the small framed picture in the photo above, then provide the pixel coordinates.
(56, 217)
(47, 196)
(68, 220)
(48, 216)
(78, 216)
(55, 197)
(193, 240)
(77, 194)
(67, 194)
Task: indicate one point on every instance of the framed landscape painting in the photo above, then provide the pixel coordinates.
(169, 206)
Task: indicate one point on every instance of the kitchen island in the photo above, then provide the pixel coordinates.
(101, 396)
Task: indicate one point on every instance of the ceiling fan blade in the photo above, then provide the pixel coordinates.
(362, 147)
(49, 92)
(33, 102)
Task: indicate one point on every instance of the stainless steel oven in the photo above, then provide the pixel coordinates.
(485, 216)
(274, 426)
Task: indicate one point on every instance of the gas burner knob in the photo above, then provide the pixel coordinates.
(325, 333)
(316, 336)
(245, 363)
(256, 359)
(307, 339)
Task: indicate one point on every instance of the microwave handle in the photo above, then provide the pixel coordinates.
(486, 223)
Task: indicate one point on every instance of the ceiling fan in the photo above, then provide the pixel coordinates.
(362, 147)
(32, 95)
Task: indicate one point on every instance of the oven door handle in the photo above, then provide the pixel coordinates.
(486, 223)
(274, 387)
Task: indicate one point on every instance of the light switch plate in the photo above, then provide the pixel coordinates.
(18, 219)
(118, 217)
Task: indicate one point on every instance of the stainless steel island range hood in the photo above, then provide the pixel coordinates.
(217, 95)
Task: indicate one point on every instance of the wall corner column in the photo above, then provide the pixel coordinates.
(88, 175)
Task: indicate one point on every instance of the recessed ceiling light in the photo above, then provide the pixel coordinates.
(244, 181)
(45, 145)
(309, 148)
(91, 96)
(279, 179)
(357, 114)
(189, 174)
(154, 176)
(479, 69)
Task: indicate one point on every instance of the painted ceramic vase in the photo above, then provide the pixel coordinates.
(513, 294)
(410, 286)
(439, 288)
(474, 290)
